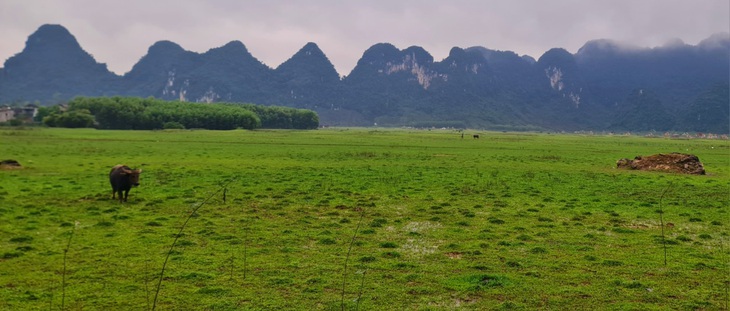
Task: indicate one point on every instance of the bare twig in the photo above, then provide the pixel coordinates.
(347, 258)
(727, 278)
(147, 283)
(63, 274)
(362, 285)
(245, 250)
(661, 221)
(177, 236)
(50, 301)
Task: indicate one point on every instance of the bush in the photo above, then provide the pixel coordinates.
(71, 119)
(172, 125)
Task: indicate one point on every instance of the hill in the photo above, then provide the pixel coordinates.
(593, 89)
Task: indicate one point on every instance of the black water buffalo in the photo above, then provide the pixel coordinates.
(476, 136)
(122, 179)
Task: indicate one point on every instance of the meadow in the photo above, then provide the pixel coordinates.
(359, 219)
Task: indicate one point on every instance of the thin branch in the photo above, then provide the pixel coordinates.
(362, 285)
(63, 274)
(245, 251)
(177, 236)
(661, 221)
(146, 282)
(347, 258)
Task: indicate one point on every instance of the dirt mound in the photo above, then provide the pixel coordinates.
(670, 162)
(9, 164)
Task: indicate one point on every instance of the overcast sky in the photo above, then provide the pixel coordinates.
(119, 33)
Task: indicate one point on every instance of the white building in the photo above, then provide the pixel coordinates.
(6, 114)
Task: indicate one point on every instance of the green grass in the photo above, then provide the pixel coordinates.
(506, 222)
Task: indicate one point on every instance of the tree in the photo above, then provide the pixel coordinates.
(70, 119)
(46, 111)
(149, 113)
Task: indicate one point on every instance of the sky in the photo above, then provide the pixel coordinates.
(119, 33)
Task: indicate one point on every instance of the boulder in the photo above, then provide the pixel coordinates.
(667, 162)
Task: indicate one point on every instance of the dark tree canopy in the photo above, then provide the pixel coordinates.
(133, 113)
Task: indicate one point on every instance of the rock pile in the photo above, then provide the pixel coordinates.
(9, 164)
(670, 162)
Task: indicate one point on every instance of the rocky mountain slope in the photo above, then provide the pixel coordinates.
(604, 86)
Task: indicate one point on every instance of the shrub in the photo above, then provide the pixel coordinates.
(476, 282)
(367, 259)
(705, 236)
(22, 239)
(538, 250)
(388, 245)
(173, 125)
(612, 263)
(71, 119)
(391, 255)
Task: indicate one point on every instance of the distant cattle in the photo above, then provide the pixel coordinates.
(122, 179)
(476, 136)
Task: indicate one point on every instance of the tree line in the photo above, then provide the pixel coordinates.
(133, 113)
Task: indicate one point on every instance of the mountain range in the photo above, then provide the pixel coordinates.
(605, 85)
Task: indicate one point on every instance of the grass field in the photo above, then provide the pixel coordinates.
(368, 219)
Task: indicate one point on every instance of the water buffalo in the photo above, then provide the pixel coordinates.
(476, 136)
(122, 179)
